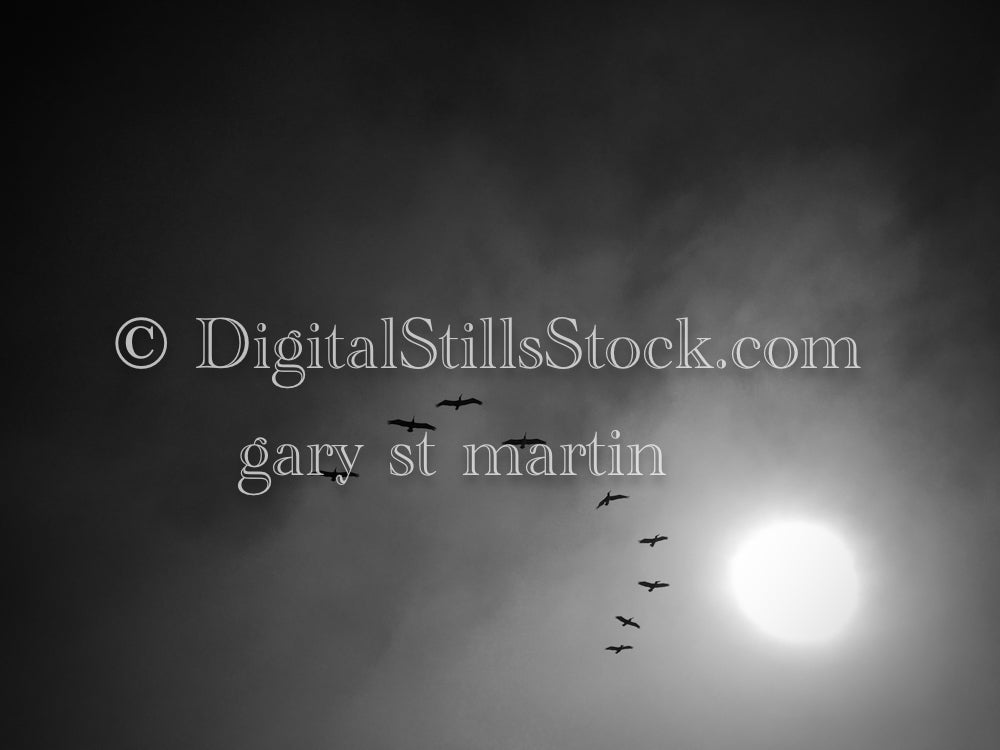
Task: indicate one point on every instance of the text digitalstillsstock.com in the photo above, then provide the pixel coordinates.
(488, 344)
(492, 343)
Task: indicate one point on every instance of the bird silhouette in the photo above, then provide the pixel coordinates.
(411, 425)
(523, 441)
(618, 649)
(653, 585)
(606, 500)
(337, 473)
(652, 540)
(627, 621)
(459, 402)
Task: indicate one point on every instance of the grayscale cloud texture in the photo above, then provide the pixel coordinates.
(773, 172)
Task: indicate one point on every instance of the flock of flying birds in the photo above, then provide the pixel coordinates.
(650, 586)
(411, 424)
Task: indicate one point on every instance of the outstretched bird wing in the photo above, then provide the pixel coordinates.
(447, 402)
(473, 401)
(400, 422)
(514, 441)
(424, 426)
(338, 473)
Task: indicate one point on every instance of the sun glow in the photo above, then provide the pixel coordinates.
(796, 581)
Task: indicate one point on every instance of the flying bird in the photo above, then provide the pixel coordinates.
(618, 649)
(653, 585)
(523, 441)
(627, 621)
(411, 425)
(652, 540)
(606, 500)
(459, 402)
(337, 473)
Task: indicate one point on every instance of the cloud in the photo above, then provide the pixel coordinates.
(764, 174)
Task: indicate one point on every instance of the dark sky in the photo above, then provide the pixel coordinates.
(777, 171)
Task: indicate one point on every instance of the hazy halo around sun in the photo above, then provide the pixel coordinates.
(796, 581)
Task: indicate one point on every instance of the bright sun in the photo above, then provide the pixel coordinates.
(796, 581)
